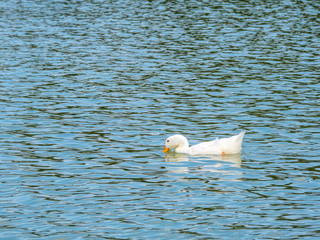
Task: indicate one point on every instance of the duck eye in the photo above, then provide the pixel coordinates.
(167, 140)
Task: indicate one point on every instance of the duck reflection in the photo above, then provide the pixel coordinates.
(232, 158)
(208, 163)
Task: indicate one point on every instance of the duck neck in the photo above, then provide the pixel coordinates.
(183, 146)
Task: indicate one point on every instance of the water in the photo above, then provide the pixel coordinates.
(91, 89)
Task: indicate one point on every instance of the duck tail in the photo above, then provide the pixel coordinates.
(240, 135)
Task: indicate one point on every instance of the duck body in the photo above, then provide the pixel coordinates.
(180, 144)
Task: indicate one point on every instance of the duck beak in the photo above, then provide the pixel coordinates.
(166, 150)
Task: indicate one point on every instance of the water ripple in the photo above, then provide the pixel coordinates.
(91, 89)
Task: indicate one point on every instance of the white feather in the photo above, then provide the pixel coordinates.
(231, 145)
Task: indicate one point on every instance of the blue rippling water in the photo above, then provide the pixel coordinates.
(91, 89)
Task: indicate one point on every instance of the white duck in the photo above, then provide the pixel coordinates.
(231, 145)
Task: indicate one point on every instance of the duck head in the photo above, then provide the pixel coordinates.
(175, 141)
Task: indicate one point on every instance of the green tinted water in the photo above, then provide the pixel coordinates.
(91, 89)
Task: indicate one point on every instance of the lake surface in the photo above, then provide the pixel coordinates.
(90, 90)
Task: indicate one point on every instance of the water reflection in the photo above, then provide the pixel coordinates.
(178, 157)
(224, 165)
